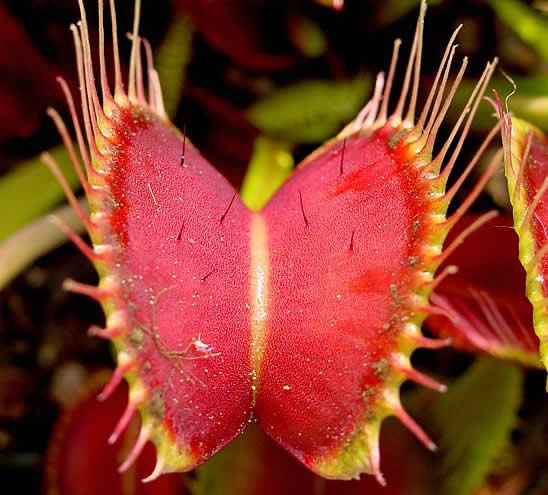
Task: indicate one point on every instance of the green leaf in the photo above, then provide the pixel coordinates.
(390, 11)
(30, 189)
(308, 37)
(171, 61)
(34, 240)
(270, 165)
(233, 470)
(309, 111)
(474, 420)
(529, 26)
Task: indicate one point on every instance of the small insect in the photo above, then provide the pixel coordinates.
(201, 346)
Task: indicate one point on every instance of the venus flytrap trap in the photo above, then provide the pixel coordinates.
(301, 316)
(526, 167)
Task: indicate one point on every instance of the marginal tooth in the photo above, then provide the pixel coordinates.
(99, 217)
(373, 433)
(526, 221)
(142, 439)
(108, 282)
(123, 422)
(437, 311)
(137, 397)
(486, 217)
(424, 277)
(448, 270)
(158, 470)
(118, 320)
(82, 246)
(378, 475)
(427, 343)
(105, 333)
(416, 300)
(403, 366)
(413, 427)
(50, 162)
(411, 330)
(103, 250)
(97, 293)
(124, 364)
(433, 250)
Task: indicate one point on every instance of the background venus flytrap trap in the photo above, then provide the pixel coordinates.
(290, 329)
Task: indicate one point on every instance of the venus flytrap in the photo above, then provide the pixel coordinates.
(526, 166)
(301, 316)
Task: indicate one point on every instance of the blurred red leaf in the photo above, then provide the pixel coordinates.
(27, 85)
(233, 27)
(486, 297)
(80, 461)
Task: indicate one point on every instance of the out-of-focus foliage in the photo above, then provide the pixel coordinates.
(391, 10)
(474, 420)
(310, 111)
(234, 28)
(171, 61)
(30, 190)
(270, 165)
(530, 26)
(307, 37)
(34, 240)
(25, 88)
(529, 102)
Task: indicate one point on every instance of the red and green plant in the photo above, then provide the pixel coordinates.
(297, 304)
